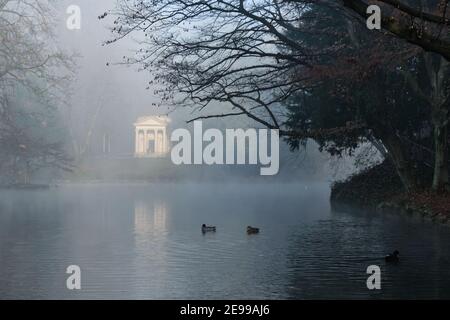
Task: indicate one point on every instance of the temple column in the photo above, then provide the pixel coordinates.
(155, 136)
(136, 141)
(161, 140)
(147, 139)
(151, 132)
(141, 141)
(145, 143)
(164, 140)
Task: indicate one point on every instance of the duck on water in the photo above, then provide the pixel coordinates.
(206, 228)
(393, 257)
(252, 230)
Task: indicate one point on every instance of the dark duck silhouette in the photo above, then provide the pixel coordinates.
(393, 257)
(206, 228)
(251, 230)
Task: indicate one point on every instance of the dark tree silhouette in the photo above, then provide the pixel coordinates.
(253, 57)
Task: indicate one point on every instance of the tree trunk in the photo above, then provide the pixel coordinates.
(440, 177)
(403, 165)
(437, 69)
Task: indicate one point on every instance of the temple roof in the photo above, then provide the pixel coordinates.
(152, 121)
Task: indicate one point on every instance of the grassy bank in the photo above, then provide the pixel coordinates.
(379, 188)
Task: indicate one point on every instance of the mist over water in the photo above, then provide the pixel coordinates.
(76, 190)
(144, 241)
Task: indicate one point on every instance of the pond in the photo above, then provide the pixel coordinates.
(144, 241)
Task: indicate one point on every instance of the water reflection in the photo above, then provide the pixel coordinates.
(145, 242)
(150, 217)
(151, 265)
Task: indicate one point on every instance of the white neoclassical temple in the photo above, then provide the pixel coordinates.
(151, 139)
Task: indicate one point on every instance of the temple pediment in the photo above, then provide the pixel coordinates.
(152, 121)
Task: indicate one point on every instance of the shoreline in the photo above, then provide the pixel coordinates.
(407, 210)
(379, 189)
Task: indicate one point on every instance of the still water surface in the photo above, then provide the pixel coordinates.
(145, 242)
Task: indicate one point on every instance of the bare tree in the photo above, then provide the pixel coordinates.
(251, 55)
(34, 71)
(244, 52)
(237, 53)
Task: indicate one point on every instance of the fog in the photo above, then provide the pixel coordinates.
(117, 93)
(91, 178)
(105, 97)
